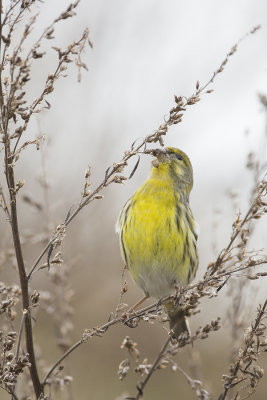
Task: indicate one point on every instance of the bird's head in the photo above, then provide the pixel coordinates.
(175, 164)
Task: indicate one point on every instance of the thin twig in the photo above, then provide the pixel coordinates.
(196, 385)
(20, 336)
(141, 386)
(96, 332)
(10, 391)
(5, 208)
(68, 352)
(224, 252)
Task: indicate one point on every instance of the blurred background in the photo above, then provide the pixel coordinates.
(143, 54)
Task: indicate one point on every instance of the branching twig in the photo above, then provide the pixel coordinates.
(262, 189)
(125, 319)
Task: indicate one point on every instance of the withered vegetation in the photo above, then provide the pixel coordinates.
(21, 372)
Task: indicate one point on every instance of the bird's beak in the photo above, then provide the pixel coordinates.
(161, 155)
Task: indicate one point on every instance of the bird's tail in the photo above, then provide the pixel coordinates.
(178, 320)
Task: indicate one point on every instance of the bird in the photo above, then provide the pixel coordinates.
(158, 233)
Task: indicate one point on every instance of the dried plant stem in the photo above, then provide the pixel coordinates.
(20, 262)
(52, 77)
(20, 335)
(72, 348)
(196, 385)
(83, 203)
(161, 354)
(226, 274)
(18, 347)
(14, 396)
(95, 332)
(124, 320)
(234, 372)
(10, 391)
(5, 207)
(225, 252)
(68, 352)
(13, 108)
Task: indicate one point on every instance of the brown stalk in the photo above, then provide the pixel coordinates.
(21, 268)
(17, 246)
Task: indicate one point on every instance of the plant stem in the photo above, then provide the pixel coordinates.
(152, 369)
(24, 292)
(20, 261)
(70, 350)
(234, 372)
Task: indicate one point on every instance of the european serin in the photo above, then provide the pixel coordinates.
(158, 232)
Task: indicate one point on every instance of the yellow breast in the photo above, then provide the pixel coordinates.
(157, 237)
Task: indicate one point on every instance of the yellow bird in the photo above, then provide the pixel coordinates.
(157, 231)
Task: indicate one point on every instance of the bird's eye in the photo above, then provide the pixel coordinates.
(179, 157)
